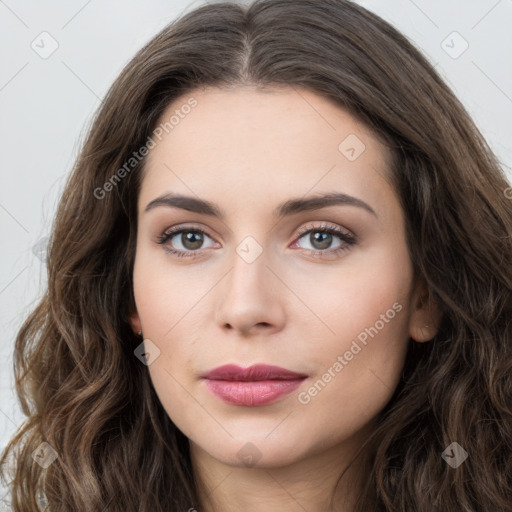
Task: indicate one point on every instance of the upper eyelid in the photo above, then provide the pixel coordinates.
(326, 226)
(178, 229)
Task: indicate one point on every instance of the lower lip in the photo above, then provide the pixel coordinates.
(252, 393)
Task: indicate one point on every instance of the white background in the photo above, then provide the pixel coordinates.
(46, 105)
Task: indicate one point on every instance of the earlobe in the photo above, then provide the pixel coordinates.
(135, 322)
(422, 333)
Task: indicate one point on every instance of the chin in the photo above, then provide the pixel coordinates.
(255, 453)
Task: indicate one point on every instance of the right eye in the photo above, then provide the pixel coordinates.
(191, 239)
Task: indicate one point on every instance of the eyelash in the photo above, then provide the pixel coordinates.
(347, 238)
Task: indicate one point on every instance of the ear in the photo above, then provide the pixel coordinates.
(425, 316)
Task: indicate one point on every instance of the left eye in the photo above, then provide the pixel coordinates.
(322, 238)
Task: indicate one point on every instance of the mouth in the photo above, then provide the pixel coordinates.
(253, 386)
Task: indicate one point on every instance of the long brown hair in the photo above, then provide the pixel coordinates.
(86, 394)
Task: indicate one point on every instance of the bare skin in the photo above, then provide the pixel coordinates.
(298, 304)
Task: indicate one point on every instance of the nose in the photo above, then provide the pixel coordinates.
(251, 298)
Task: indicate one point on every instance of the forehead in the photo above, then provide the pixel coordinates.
(246, 144)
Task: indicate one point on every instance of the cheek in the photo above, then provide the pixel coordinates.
(353, 386)
(165, 294)
(166, 308)
(170, 307)
(356, 378)
(360, 362)
(352, 296)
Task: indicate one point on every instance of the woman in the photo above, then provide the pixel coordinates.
(279, 279)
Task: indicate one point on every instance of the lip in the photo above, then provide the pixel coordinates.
(255, 372)
(256, 385)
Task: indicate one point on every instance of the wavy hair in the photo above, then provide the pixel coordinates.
(85, 393)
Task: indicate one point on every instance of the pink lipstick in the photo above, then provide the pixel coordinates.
(256, 385)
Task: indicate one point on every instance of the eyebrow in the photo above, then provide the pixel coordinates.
(289, 207)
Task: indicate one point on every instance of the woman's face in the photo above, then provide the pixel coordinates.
(264, 284)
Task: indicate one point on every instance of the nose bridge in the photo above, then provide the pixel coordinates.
(249, 295)
(249, 270)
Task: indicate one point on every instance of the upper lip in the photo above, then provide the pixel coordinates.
(252, 373)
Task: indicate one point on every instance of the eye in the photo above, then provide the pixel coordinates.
(321, 238)
(190, 238)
